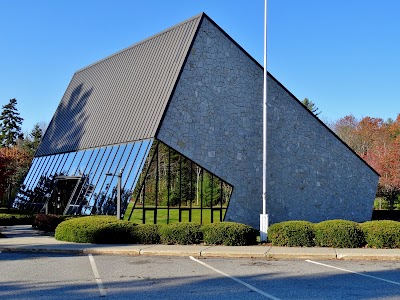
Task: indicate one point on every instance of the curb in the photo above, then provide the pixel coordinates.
(32, 243)
(270, 254)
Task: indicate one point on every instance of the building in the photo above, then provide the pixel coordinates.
(179, 117)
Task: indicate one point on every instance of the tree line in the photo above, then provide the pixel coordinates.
(16, 150)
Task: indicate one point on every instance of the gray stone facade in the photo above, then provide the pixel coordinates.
(313, 175)
(215, 119)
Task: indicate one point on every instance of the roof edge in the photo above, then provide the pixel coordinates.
(141, 42)
(322, 123)
(232, 40)
(202, 16)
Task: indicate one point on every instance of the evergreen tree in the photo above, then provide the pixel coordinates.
(10, 124)
(311, 106)
(31, 143)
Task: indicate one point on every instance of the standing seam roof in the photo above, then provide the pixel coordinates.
(121, 98)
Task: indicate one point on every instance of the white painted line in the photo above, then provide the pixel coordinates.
(235, 279)
(99, 282)
(353, 272)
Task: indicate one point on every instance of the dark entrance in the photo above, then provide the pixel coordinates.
(64, 190)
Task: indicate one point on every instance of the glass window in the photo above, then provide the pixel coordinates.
(158, 184)
(137, 160)
(93, 178)
(38, 171)
(29, 174)
(75, 163)
(172, 188)
(101, 195)
(109, 205)
(67, 164)
(99, 177)
(85, 185)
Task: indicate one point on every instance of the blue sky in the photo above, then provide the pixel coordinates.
(341, 54)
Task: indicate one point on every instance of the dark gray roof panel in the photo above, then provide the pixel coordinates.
(121, 98)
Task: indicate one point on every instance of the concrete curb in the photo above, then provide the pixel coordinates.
(28, 240)
(262, 252)
(301, 253)
(368, 254)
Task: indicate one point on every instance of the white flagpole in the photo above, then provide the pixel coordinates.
(264, 215)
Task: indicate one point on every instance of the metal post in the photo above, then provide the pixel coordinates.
(119, 195)
(9, 196)
(119, 177)
(264, 215)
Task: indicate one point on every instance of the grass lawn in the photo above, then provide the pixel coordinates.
(162, 215)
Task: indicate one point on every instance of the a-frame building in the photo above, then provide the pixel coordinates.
(179, 116)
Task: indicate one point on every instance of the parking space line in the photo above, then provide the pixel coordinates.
(235, 279)
(99, 282)
(353, 272)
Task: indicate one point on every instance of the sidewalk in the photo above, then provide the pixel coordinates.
(25, 239)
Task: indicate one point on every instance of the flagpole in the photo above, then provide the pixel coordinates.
(264, 215)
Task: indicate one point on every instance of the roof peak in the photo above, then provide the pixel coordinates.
(200, 15)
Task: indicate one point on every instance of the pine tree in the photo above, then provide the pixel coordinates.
(10, 124)
(31, 143)
(311, 106)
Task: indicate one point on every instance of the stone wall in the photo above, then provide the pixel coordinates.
(215, 119)
(313, 175)
(215, 116)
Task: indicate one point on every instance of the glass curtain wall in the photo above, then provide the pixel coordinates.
(173, 188)
(77, 182)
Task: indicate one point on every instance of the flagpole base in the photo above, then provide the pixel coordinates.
(263, 227)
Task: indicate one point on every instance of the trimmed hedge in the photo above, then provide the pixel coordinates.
(103, 229)
(339, 234)
(382, 234)
(229, 234)
(147, 233)
(16, 219)
(292, 234)
(181, 233)
(49, 222)
(96, 230)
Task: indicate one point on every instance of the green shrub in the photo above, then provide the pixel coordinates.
(181, 233)
(229, 234)
(339, 234)
(382, 234)
(292, 234)
(147, 233)
(16, 219)
(96, 229)
(49, 222)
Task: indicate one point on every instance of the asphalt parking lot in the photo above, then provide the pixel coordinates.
(53, 276)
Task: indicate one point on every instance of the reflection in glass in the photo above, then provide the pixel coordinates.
(75, 163)
(27, 179)
(38, 171)
(95, 178)
(138, 160)
(172, 188)
(158, 184)
(107, 201)
(67, 163)
(92, 179)
(98, 194)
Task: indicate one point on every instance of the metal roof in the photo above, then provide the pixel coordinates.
(121, 98)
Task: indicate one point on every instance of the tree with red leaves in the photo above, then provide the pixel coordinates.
(13, 165)
(378, 143)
